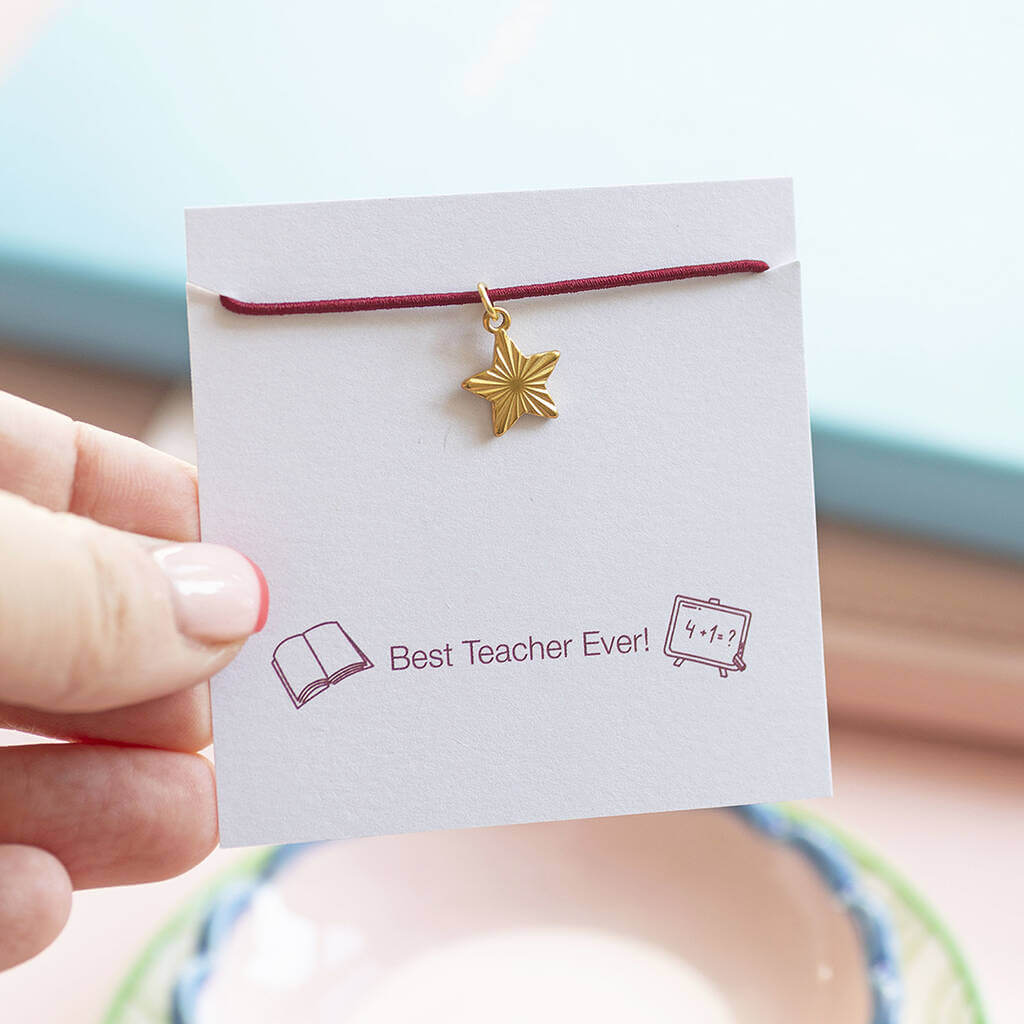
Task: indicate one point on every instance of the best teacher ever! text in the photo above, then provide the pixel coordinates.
(592, 643)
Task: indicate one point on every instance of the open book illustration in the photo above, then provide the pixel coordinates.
(308, 663)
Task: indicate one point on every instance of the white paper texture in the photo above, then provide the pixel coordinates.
(339, 452)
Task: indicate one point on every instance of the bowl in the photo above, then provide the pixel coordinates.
(724, 917)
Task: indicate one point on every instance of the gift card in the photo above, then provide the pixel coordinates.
(539, 550)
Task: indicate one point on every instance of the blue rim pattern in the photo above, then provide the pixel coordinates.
(870, 917)
(825, 853)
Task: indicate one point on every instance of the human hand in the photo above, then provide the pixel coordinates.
(111, 620)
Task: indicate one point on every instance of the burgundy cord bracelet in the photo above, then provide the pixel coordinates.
(519, 291)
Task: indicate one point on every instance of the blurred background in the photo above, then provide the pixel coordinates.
(900, 124)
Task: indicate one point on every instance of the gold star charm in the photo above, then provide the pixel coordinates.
(514, 384)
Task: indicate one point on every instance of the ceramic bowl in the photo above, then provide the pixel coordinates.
(721, 917)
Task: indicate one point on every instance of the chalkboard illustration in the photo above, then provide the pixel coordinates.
(707, 632)
(310, 662)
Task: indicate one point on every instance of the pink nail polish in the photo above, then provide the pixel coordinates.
(218, 593)
(261, 620)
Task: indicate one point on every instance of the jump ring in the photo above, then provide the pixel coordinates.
(501, 316)
(486, 300)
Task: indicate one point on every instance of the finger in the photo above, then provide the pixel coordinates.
(74, 467)
(92, 618)
(35, 900)
(179, 721)
(110, 815)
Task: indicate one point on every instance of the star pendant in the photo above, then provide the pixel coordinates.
(514, 384)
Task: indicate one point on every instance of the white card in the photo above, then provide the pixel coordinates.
(616, 610)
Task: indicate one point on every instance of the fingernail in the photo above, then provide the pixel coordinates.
(218, 594)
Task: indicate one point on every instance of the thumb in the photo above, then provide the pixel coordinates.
(93, 618)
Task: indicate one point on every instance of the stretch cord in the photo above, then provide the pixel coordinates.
(520, 291)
